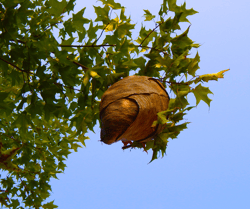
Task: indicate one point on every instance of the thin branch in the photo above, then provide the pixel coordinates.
(24, 185)
(11, 137)
(61, 88)
(103, 29)
(100, 34)
(152, 48)
(50, 26)
(3, 190)
(23, 78)
(176, 83)
(79, 64)
(19, 41)
(15, 66)
(28, 78)
(101, 45)
(98, 52)
(69, 87)
(197, 76)
(181, 78)
(127, 146)
(150, 33)
(166, 72)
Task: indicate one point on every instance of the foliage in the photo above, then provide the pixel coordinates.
(50, 90)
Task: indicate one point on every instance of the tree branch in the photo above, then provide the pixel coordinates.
(50, 26)
(101, 45)
(28, 72)
(79, 64)
(69, 87)
(150, 33)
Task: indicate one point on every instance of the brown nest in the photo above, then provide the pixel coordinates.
(129, 107)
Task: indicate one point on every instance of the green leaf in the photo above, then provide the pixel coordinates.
(124, 29)
(68, 41)
(114, 77)
(82, 139)
(70, 6)
(57, 7)
(15, 203)
(102, 14)
(8, 154)
(200, 93)
(112, 4)
(3, 95)
(22, 122)
(50, 205)
(149, 145)
(148, 15)
(194, 65)
(181, 43)
(160, 145)
(75, 146)
(186, 12)
(79, 20)
(92, 31)
(162, 117)
(172, 5)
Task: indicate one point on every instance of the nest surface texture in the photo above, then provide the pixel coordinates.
(129, 107)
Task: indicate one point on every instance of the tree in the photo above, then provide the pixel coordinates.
(50, 89)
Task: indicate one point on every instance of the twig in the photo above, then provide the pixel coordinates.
(19, 41)
(49, 26)
(28, 79)
(100, 34)
(127, 146)
(150, 33)
(79, 64)
(3, 190)
(152, 48)
(61, 88)
(176, 83)
(101, 45)
(15, 66)
(181, 78)
(69, 87)
(24, 185)
(197, 76)
(103, 29)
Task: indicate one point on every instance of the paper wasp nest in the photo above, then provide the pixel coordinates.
(129, 107)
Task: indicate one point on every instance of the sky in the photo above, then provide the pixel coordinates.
(208, 165)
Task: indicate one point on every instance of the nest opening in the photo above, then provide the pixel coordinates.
(116, 118)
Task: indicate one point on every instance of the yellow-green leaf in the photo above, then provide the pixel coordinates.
(212, 76)
(148, 15)
(94, 74)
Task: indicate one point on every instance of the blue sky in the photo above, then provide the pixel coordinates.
(208, 166)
